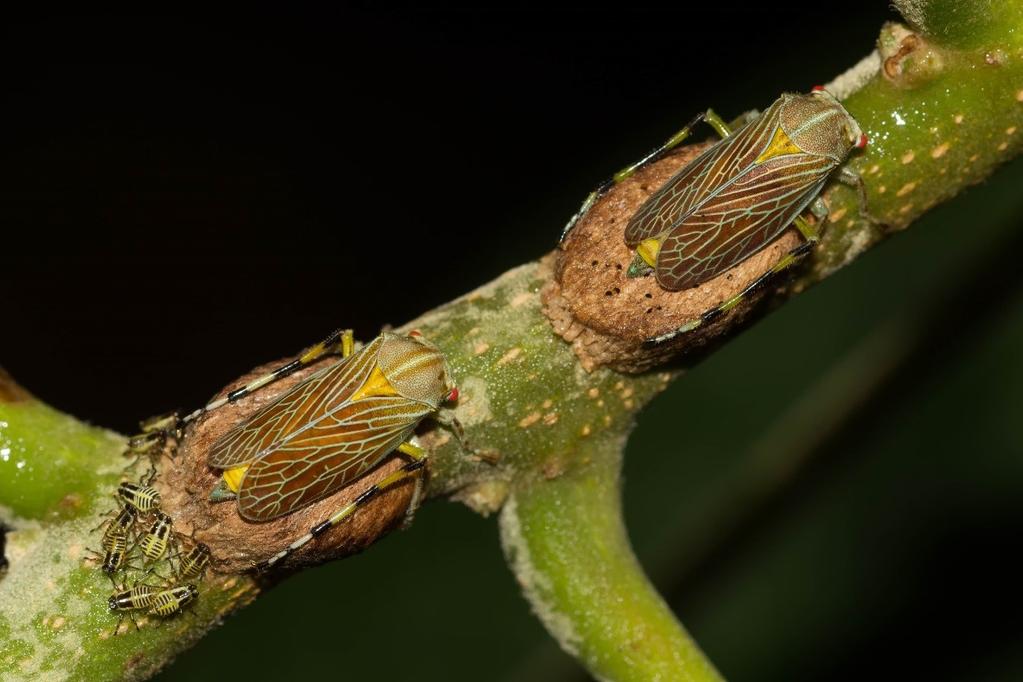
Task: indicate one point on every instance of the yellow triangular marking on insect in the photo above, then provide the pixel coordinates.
(376, 385)
(780, 145)
(648, 250)
(233, 477)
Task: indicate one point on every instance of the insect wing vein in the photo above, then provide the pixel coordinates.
(687, 190)
(740, 219)
(320, 460)
(302, 406)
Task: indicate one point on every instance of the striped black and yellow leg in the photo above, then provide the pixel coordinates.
(415, 452)
(157, 430)
(810, 240)
(413, 469)
(709, 117)
(340, 339)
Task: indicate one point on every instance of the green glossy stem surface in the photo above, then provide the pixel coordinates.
(942, 116)
(565, 540)
(57, 477)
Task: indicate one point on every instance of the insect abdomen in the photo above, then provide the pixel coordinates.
(170, 602)
(138, 597)
(194, 562)
(143, 498)
(154, 544)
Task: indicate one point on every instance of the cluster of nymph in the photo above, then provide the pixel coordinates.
(138, 543)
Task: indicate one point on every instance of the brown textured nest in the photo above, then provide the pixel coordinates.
(607, 316)
(237, 544)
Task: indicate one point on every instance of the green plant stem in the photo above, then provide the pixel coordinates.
(944, 121)
(56, 479)
(566, 542)
(952, 111)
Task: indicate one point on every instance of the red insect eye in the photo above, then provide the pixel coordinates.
(453, 396)
(862, 142)
(817, 88)
(414, 333)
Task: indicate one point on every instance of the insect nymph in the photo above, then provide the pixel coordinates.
(333, 428)
(171, 601)
(738, 196)
(118, 526)
(144, 498)
(194, 562)
(126, 600)
(154, 543)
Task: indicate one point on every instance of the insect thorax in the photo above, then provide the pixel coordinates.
(415, 368)
(818, 124)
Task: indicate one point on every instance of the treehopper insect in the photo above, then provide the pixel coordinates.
(333, 428)
(739, 195)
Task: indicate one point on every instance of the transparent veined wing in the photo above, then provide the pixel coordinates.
(337, 450)
(688, 189)
(301, 407)
(741, 218)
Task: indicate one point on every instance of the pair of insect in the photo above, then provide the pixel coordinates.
(327, 431)
(335, 426)
(739, 196)
(163, 602)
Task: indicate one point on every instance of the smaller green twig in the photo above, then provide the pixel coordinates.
(566, 542)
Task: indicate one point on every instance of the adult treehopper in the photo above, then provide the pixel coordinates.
(739, 195)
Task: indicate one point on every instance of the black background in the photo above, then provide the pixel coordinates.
(182, 198)
(185, 197)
